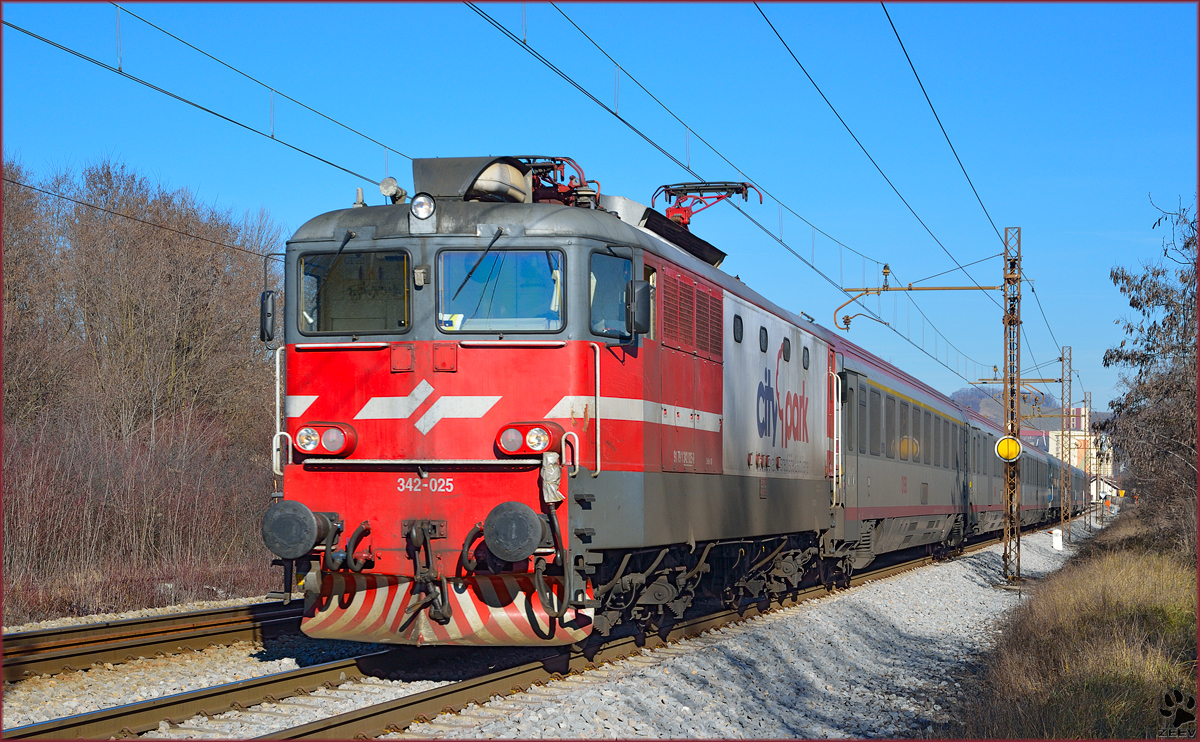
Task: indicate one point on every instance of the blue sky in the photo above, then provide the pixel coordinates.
(1067, 117)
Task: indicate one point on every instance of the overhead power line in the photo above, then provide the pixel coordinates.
(962, 167)
(868, 154)
(939, 122)
(181, 99)
(715, 151)
(263, 84)
(569, 80)
(163, 227)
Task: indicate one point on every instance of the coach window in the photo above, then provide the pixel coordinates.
(946, 443)
(354, 292)
(917, 442)
(805, 357)
(889, 427)
(862, 418)
(607, 282)
(737, 328)
(762, 339)
(787, 350)
(927, 440)
(905, 441)
(876, 414)
(937, 441)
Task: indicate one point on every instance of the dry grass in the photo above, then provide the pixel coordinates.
(1094, 648)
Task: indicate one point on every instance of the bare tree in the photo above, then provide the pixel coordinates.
(1153, 427)
(137, 398)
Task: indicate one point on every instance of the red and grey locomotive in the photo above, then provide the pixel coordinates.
(518, 411)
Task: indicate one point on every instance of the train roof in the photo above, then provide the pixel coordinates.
(619, 220)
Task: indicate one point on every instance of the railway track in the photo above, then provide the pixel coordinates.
(70, 648)
(396, 714)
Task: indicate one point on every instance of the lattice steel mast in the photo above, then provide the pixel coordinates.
(1012, 400)
(1066, 483)
(1087, 449)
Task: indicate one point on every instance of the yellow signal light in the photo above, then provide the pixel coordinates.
(1008, 448)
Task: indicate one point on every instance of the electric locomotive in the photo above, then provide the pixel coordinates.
(514, 410)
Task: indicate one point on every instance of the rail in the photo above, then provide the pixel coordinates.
(398, 714)
(135, 718)
(77, 647)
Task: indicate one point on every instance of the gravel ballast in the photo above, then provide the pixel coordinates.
(876, 661)
(879, 660)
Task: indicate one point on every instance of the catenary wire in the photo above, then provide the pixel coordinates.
(868, 154)
(263, 84)
(705, 141)
(681, 121)
(939, 122)
(550, 65)
(968, 265)
(960, 164)
(143, 221)
(181, 99)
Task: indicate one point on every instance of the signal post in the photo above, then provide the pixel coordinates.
(1011, 453)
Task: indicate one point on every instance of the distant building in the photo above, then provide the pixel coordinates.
(1081, 449)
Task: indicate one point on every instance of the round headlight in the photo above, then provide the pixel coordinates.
(422, 206)
(333, 439)
(510, 440)
(537, 439)
(306, 439)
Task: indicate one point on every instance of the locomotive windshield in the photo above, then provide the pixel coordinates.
(354, 292)
(500, 290)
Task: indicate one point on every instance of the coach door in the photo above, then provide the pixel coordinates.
(854, 418)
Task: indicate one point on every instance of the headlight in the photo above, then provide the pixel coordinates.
(510, 440)
(306, 439)
(537, 439)
(422, 206)
(333, 439)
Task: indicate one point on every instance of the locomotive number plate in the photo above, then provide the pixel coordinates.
(432, 484)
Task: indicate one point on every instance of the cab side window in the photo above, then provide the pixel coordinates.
(651, 277)
(607, 282)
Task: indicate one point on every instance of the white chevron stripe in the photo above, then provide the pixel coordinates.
(294, 405)
(611, 408)
(635, 410)
(395, 408)
(454, 407)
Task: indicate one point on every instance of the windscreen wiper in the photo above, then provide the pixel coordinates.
(329, 274)
(499, 231)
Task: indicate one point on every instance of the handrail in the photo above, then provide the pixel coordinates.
(574, 451)
(596, 348)
(838, 470)
(276, 464)
(278, 360)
